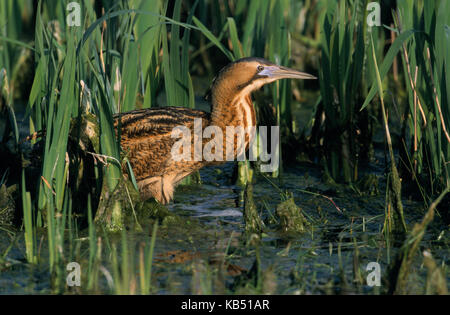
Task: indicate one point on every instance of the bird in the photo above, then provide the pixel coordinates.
(146, 135)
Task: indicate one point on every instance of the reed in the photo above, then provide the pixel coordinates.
(141, 54)
(426, 65)
(421, 41)
(343, 70)
(395, 220)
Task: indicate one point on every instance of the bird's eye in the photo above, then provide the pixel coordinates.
(260, 68)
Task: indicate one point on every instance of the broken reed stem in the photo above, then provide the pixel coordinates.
(253, 222)
(394, 187)
(323, 196)
(413, 86)
(102, 60)
(408, 68)
(436, 280)
(399, 271)
(394, 63)
(415, 122)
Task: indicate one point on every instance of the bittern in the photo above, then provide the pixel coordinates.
(146, 135)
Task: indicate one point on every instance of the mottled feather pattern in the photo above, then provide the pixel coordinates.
(147, 142)
(146, 134)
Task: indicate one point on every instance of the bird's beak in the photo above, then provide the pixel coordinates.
(280, 72)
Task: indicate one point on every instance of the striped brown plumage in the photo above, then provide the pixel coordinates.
(146, 134)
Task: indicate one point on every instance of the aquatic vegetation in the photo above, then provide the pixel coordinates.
(364, 155)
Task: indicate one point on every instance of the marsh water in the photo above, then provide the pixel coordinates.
(344, 235)
(321, 260)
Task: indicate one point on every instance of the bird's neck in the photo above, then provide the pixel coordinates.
(233, 110)
(234, 115)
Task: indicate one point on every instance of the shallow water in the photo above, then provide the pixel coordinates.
(314, 262)
(344, 237)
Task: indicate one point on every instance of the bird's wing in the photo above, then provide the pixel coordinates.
(146, 136)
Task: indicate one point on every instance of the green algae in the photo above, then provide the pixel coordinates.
(291, 219)
(7, 204)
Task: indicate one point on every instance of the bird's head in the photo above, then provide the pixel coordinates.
(249, 74)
